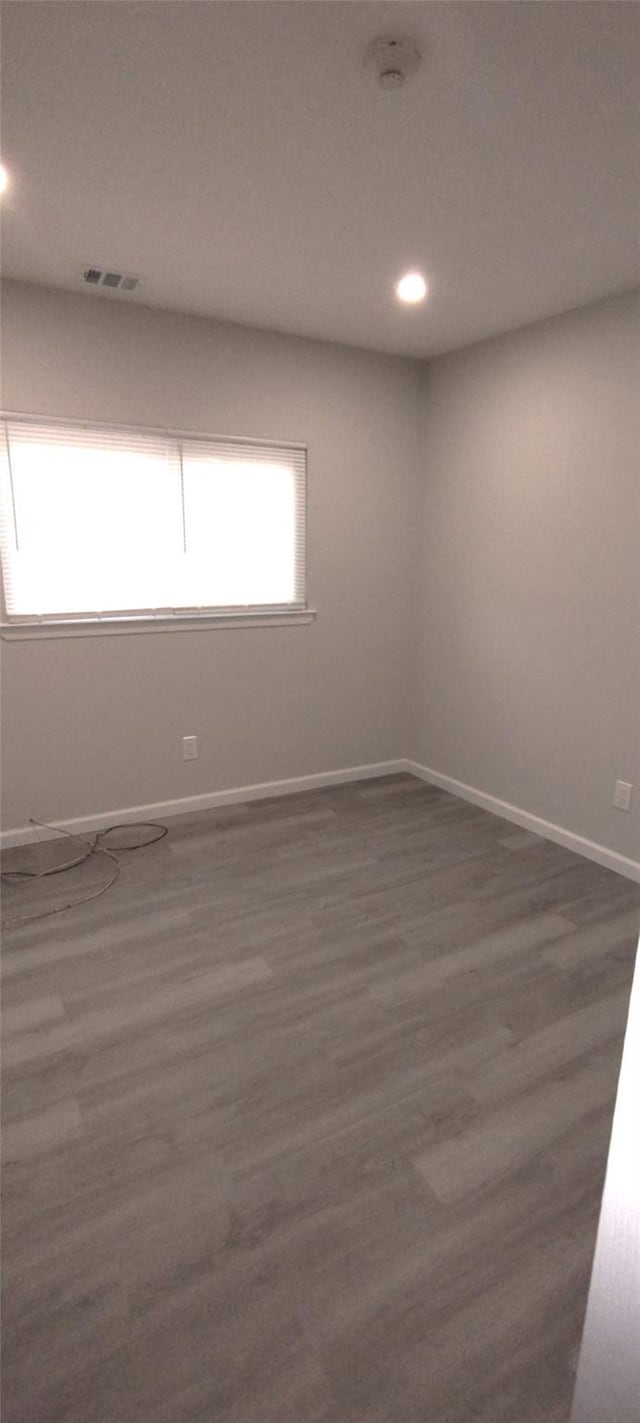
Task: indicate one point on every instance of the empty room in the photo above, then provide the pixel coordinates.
(319, 515)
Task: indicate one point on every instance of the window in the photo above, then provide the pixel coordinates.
(100, 523)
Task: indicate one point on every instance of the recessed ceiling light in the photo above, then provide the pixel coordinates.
(411, 288)
(4, 178)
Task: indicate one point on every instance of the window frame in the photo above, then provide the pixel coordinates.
(25, 627)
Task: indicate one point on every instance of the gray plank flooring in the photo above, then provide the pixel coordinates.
(306, 1120)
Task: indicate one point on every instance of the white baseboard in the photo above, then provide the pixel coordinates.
(209, 800)
(588, 848)
(161, 810)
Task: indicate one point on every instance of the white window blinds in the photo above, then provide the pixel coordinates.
(98, 522)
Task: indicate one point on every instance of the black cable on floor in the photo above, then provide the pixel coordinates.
(92, 847)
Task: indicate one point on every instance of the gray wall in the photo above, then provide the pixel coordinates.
(94, 724)
(528, 675)
(509, 471)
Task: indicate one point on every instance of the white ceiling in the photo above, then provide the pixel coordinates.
(240, 157)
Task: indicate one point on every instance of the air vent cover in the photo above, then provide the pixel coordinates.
(114, 281)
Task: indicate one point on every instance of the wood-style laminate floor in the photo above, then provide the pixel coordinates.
(306, 1121)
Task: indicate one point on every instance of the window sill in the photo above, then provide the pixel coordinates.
(116, 627)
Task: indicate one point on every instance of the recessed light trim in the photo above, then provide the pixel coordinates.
(411, 288)
(4, 179)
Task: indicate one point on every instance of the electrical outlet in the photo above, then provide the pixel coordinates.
(189, 748)
(622, 795)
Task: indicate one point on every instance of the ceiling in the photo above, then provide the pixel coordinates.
(241, 159)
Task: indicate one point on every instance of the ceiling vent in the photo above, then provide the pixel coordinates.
(114, 281)
(393, 59)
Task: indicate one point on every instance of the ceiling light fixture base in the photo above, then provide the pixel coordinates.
(392, 59)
